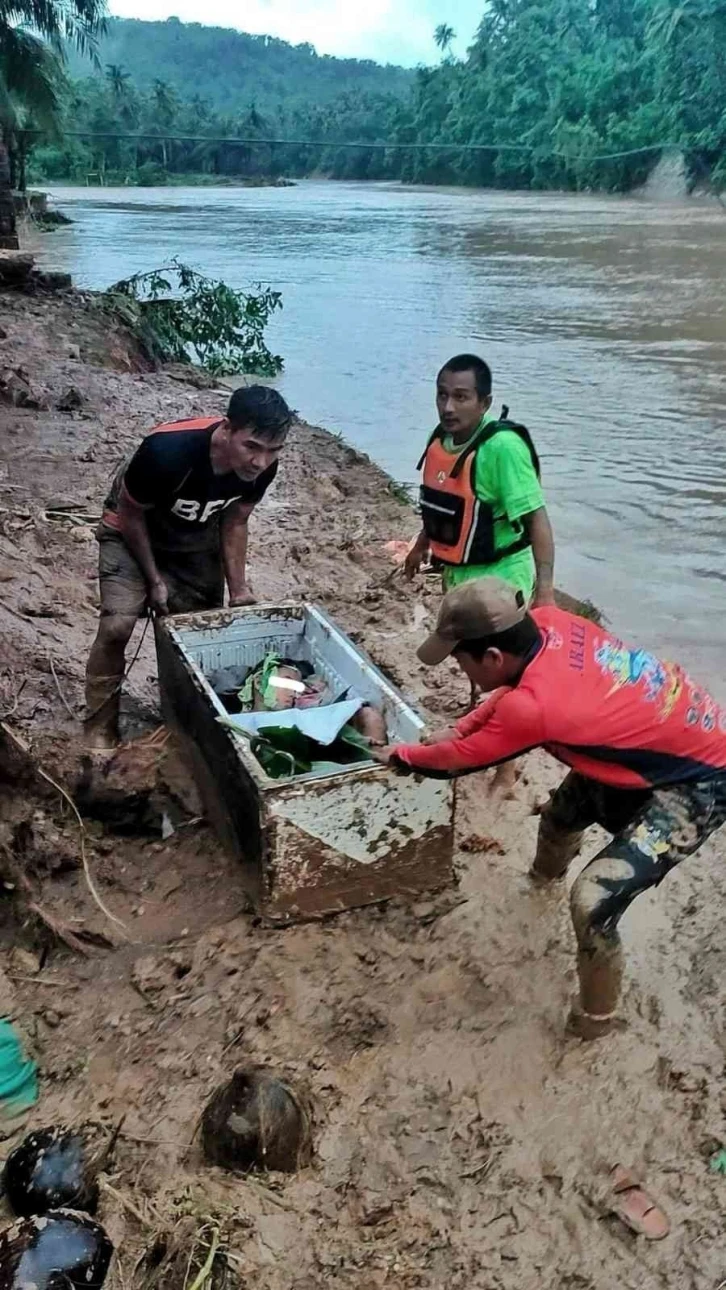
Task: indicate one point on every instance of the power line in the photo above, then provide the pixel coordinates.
(389, 145)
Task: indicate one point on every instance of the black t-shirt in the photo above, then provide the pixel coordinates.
(171, 473)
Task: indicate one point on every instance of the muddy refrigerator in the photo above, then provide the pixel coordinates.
(312, 843)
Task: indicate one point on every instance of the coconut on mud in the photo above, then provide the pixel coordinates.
(256, 1121)
(62, 1248)
(52, 1168)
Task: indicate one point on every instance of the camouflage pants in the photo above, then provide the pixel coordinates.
(653, 832)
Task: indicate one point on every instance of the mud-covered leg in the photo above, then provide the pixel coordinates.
(561, 828)
(104, 676)
(556, 849)
(672, 826)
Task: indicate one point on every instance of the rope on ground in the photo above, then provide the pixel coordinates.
(90, 715)
(90, 884)
(67, 797)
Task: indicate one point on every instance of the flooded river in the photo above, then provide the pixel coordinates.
(604, 321)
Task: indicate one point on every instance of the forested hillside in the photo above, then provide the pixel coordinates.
(548, 91)
(578, 78)
(231, 69)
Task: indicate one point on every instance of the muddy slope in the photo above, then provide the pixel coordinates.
(460, 1140)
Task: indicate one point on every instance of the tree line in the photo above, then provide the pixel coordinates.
(113, 131)
(571, 94)
(562, 85)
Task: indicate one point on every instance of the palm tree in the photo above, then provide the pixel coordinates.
(26, 73)
(669, 19)
(166, 105)
(118, 79)
(443, 37)
(30, 98)
(126, 101)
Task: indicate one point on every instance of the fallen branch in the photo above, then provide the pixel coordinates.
(16, 700)
(59, 929)
(22, 882)
(79, 518)
(61, 695)
(46, 981)
(127, 1204)
(16, 613)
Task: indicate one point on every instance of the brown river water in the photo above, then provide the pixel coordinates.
(604, 320)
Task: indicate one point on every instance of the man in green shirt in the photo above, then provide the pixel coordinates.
(481, 501)
(503, 479)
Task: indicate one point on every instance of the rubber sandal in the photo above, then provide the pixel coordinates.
(636, 1208)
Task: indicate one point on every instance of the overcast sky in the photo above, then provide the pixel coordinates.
(391, 31)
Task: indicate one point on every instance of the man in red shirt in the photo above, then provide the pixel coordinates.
(646, 747)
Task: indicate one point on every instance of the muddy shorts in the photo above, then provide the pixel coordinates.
(195, 579)
(653, 832)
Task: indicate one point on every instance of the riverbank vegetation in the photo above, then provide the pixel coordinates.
(178, 315)
(552, 93)
(35, 36)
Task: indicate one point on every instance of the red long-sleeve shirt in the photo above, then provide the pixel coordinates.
(615, 714)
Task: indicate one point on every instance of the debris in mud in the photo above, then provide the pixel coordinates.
(71, 401)
(137, 787)
(256, 1122)
(18, 1072)
(15, 389)
(62, 1248)
(185, 1256)
(15, 267)
(42, 847)
(52, 1168)
(51, 280)
(477, 843)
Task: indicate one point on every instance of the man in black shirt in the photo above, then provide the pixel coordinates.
(174, 527)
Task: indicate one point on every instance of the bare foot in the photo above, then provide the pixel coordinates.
(583, 1025)
(504, 782)
(100, 739)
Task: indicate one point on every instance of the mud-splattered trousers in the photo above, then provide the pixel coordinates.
(653, 831)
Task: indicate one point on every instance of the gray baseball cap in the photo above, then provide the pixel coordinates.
(482, 607)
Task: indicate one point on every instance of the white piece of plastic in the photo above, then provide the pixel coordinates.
(322, 724)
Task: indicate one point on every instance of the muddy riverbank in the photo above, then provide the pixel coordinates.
(460, 1140)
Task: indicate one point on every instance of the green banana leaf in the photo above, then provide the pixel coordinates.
(284, 752)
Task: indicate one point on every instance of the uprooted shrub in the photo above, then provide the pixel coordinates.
(182, 316)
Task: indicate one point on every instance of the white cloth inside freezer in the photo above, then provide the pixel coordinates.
(322, 724)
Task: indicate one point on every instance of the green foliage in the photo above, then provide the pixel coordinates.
(75, 24)
(34, 35)
(562, 83)
(229, 69)
(547, 91)
(402, 492)
(179, 313)
(174, 135)
(284, 752)
(444, 35)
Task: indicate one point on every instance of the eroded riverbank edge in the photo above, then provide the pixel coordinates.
(459, 1138)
